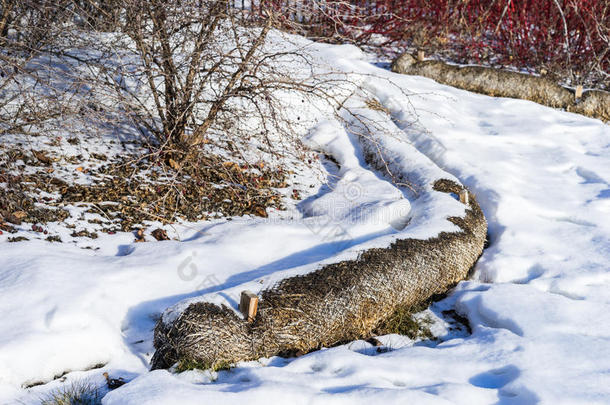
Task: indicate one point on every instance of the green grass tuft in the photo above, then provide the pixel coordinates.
(403, 322)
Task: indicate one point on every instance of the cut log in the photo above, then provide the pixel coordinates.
(464, 196)
(248, 305)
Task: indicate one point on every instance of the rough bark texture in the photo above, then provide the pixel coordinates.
(500, 83)
(339, 302)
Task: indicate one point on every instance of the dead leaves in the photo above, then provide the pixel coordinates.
(20, 197)
(160, 234)
(231, 166)
(19, 214)
(173, 164)
(260, 211)
(6, 227)
(42, 157)
(127, 191)
(84, 233)
(99, 156)
(16, 217)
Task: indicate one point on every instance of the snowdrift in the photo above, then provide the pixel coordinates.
(500, 83)
(339, 302)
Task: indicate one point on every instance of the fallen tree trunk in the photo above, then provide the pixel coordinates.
(500, 83)
(337, 303)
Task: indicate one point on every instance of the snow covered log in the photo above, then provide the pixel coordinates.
(336, 303)
(594, 103)
(501, 83)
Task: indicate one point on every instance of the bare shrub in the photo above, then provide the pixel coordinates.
(24, 34)
(204, 87)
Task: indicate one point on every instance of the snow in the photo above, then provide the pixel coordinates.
(538, 303)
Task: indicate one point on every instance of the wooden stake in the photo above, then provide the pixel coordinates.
(578, 92)
(421, 55)
(248, 305)
(464, 196)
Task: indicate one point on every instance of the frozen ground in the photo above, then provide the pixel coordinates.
(538, 305)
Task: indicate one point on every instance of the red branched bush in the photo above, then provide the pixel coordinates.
(568, 37)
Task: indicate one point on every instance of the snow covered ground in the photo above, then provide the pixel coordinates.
(538, 304)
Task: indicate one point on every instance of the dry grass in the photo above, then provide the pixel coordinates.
(81, 392)
(190, 364)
